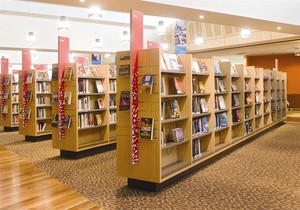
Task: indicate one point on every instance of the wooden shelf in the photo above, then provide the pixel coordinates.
(201, 115)
(174, 144)
(173, 120)
(171, 168)
(197, 136)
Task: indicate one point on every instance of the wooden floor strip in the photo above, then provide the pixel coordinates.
(23, 186)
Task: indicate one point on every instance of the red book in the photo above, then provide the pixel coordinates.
(178, 85)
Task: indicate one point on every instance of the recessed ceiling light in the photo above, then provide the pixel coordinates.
(278, 28)
(201, 17)
(82, 0)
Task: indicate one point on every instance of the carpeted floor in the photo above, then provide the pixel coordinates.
(263, 174)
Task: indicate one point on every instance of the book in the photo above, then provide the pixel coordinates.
(223, 119)
(27, 113)
(100, 102)
(175, 109)
(99, 86)
(246, 72)
(217, 68)
(42, 75)
(167, 61)
(196, 149)
(233, 86)
(205, 126)
(147, 83)
(55, 97)
(67, 98)
(6, 94)
(67, 121)
(203, 67)
(5, 109)
(54, 120)
(235, 101)
(203, 105)
(222, 85)
(124, 66)
(6, 80)
(174, 62)
(68, 73)
(201, 87)
(54, 73)
(98, 119)
(163, 139)
(234, 71)
(178, 135)
(195, 66)
(178, 85)
(147, 128)
(221, 102)
(163, 86)
(248, 99)
(124, 100)
(29, 78)
(15, 78)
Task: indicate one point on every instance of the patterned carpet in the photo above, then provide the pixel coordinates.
(263, 174)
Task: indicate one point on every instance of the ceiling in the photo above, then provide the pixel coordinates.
(158, 9)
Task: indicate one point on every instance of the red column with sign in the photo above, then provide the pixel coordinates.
(136, 28)
(26, 65)
(63, 58)
(4, 72)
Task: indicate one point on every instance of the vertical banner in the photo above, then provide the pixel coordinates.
(26, 65)
(180, 37)
(63, 58)
(136, 43)
(4, 72)
(151, 45)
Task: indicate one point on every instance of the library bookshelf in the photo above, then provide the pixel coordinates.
(86, 110)
(10, 110)
(163, 160)
(39, 110)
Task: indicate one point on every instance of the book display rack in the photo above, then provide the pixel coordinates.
(39, 108)
(86, 111)
(194, 113)
(10, 110)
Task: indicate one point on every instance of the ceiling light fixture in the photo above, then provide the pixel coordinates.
(95, 13)
(63, 24)
(82, 0)
(161, 29)
(201, 17)
(245, 33)
(164, 46)
(297, 52)
(30, 37)
(278, 28)
(125, 36)
(107, 55)
(199, 40)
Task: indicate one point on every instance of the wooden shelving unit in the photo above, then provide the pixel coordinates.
(267, 97)
(161, 164)
(39, 106)
(237, 99)
(10, 113)
(88, 132)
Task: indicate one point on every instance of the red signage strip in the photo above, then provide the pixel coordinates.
(136, 31)
(26, 65)
(4, 72)
(63, 58)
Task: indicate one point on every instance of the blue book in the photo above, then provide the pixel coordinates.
(223, 120)
(205, 127)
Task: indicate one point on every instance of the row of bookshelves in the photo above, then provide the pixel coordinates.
(196, 107)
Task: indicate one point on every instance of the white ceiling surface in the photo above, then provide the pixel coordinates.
(281, 11)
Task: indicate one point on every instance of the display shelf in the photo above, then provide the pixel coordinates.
(10, 110)
(39, 100)
(88, 108)
(161, 161)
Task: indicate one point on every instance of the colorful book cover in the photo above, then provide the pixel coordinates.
(124, 100)
(147, 128)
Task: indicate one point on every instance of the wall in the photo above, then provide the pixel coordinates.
(287, 63)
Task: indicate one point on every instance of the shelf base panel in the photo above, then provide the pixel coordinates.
(10, 129)
(88, 152)
(156, 187)
(38, 138)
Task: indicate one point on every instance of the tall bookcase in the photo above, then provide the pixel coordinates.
(237, 99)
(267, 97)
(258, 98)
(39, 106)
(162, 162)
(10, 110)
(86, 110)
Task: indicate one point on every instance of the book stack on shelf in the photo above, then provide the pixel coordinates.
(249, 82)
(39, 110)
(222, 72)
(10, 109)
(267, 97)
